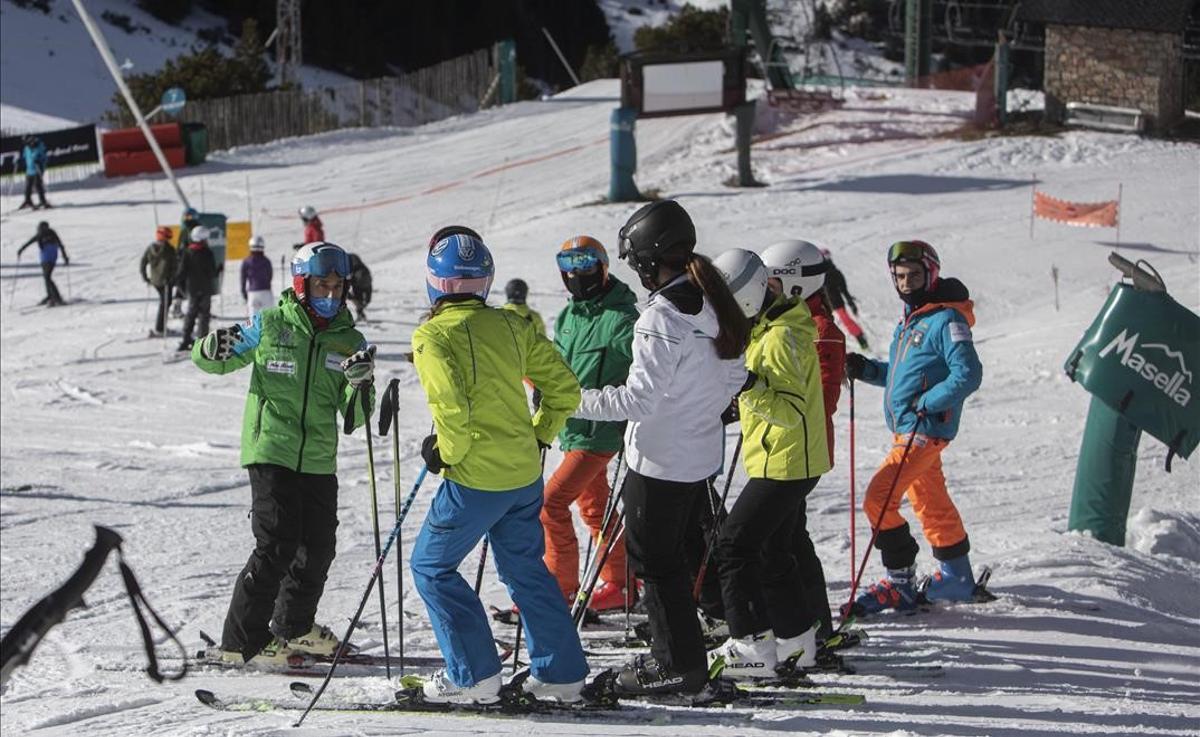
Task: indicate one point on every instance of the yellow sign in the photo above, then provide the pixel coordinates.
(237, 240)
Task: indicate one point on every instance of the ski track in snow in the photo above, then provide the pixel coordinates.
(1086, 639)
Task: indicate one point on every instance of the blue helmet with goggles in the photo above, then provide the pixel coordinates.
(459, 265)
(319, 260)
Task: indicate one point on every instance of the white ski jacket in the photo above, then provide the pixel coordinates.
(676, 390)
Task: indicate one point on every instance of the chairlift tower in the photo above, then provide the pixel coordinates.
(287, 41)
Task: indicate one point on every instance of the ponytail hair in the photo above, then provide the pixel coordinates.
(734, 333)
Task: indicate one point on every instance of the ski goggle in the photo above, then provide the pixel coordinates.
(906, 251)
(577, 259)
(323, 262)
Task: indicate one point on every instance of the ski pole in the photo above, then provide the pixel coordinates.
(853, 503)
(846, 609)
(12, 293)
(579, 610)
(67, 268)
(592, 571)
(337, 656)
(389, 414)
(712, 535)
(609, 506)
(482, 560)
(366, 407)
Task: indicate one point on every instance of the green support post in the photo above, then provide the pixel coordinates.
(622, 148)
(506, 66)
(753, 14)
(744, 115)
(1000, 80)
(1104, 475)
(918, 30)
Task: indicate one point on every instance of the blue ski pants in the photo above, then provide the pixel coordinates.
(458, 519)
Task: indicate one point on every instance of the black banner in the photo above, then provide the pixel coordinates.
(68, 146)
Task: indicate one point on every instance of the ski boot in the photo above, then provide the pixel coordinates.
(563, 693)
(746, 657)
(953, 581)
(275, 653)
(439, 689)
(645, 675)
(894, 591)
(797, 653)
(610, 597)
(319, 641)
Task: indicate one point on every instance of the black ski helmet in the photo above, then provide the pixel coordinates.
(516, 291)
(662, 228)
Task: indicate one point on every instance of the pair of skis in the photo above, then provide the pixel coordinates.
(600, 696)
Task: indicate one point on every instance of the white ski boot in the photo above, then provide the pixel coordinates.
(747, 657)
(439, 689)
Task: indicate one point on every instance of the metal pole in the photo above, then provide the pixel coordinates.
(561, 58)
(111, 63)
(1032, 202)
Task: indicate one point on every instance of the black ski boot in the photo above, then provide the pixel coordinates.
(645, 675)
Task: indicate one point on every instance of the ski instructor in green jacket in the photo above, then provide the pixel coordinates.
(594, 333)
(309, 364)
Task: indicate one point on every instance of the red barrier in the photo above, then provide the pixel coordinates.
(128, 163)
(126, 151)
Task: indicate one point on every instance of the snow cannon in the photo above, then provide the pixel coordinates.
(1137, 359)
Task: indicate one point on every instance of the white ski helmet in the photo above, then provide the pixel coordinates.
(199, 234)
(746, 276)
(257, 243)
(308, 212)
(798, 264)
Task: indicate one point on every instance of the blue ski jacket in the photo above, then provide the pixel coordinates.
(932, 365)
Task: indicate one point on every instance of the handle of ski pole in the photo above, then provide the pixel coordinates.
(389, 405)
(348, 421)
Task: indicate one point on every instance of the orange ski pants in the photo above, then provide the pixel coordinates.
(582, 479)
(922, 481)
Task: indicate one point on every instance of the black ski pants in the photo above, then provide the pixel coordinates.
(31, 181)
(164, 304)
(53, 296)
(660, 517)
(761, 583)
(294, 519)
(199, 311)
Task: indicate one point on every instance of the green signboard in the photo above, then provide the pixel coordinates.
(1139, 357)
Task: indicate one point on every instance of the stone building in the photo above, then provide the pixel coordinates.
(1124, 53)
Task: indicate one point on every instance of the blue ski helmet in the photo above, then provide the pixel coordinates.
(459, 264)
(319, 259)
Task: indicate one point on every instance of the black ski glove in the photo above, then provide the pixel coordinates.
(218, 345)
(359, 368)
(431, 454)
(856, 366)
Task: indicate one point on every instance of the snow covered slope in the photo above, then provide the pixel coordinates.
(1086, 639)
(50, 66)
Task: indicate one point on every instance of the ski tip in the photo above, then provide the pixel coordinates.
(208, 698)
(300, 688)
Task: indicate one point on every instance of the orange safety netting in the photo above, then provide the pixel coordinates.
(1086, 214)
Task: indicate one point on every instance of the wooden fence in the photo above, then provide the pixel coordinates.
(450, 88)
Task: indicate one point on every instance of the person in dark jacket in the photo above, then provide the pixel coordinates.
(839, 298)
(196, 273)
(191, 219)
(256, 278)
(48, 247)
(360, 287)
(594, 333)
(34, 155)
(158, 269)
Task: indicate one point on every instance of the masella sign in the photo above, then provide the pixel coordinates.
(1138, 357)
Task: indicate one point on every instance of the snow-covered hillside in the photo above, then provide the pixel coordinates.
(1086, 639)
(50, 66)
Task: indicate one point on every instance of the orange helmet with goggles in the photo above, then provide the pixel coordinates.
(583, 265)
(917, 252)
